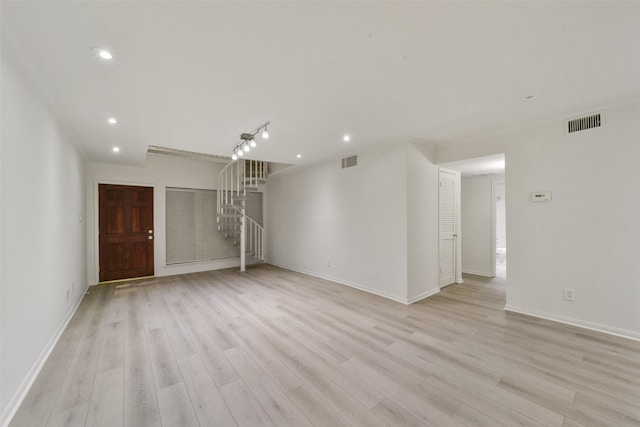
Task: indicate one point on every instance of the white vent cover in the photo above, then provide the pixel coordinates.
(348, 162)
(584, 123)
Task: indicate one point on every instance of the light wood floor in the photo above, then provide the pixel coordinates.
(272, 347)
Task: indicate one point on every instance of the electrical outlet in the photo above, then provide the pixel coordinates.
(569, 294)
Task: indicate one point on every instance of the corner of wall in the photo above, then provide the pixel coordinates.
(422, 224)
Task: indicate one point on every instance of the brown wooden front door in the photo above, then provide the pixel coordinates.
(126, 231)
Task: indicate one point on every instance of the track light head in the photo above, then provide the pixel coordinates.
(248, 141)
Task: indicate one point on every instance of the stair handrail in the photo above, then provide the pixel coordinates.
(227, 184)
(255, 238)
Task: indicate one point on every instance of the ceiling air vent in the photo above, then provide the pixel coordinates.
(584, 123)
(348, 162)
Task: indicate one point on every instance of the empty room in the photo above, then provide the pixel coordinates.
(222, 213)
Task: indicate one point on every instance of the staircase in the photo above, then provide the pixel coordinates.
(234, 182)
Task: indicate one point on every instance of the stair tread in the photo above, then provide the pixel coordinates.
(230, 215)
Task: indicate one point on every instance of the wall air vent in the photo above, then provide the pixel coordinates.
(584, 123)
(348, 162)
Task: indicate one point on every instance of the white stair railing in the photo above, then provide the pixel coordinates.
(233, 181)
(255, 239)
(255, 172)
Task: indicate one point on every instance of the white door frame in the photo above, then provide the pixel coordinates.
(495, 181)
(494, 229)
(458, 228)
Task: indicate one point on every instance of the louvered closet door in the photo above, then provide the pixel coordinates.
(447, 222)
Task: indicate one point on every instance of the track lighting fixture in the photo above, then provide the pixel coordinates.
(248, 141)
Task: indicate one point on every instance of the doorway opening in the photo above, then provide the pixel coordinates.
(501, 229)
(482, 215)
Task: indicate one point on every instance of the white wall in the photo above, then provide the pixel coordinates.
(373, 226)
(587, 237)
(43, 240)
(477, 225)
(422, 224)
(158, 171)
(348, 225)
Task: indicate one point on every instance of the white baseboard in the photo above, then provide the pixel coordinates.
(12, 407)
(354, 285)
(592, 326)
(478, 272)
(197, 266)
(423, 295)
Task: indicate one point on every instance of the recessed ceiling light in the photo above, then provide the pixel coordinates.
(116, 149)
(104, 54)
(346, 138)
(299, 156)
(112, 121)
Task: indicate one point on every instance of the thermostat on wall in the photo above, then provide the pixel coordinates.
(540, 196)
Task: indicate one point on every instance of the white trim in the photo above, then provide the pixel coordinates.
(422, 296)
(478, 273)
(494, 228)
(351, 284)
(199, 266)
(15, 402)
(592, 326)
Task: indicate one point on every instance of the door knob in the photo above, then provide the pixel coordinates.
(150, 231)
(150, 237)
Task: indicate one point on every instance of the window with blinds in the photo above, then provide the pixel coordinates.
(191, 226)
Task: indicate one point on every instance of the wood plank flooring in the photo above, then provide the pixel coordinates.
(271, 347)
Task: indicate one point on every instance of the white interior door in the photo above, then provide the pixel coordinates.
(449, 203)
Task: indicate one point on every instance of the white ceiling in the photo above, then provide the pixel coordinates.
(194, 75)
